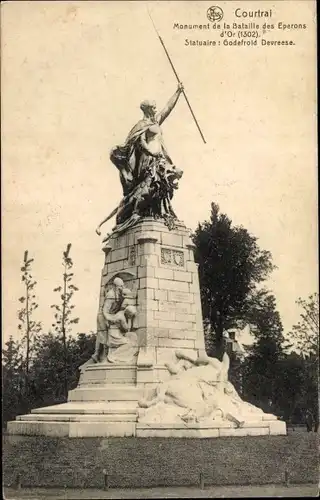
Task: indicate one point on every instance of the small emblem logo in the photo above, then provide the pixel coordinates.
(214, 14)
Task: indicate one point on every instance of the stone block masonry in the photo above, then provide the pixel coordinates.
(161, 264)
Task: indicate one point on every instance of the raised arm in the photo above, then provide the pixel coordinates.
(170, 105)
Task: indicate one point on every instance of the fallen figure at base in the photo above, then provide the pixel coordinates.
(197, 391)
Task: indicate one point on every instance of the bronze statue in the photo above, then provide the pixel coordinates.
(147, 173)
(157, 191)
(144, 144)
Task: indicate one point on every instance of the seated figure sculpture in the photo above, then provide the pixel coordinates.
(115, 324)
(122, 342)
(197, 390)
(147, 173)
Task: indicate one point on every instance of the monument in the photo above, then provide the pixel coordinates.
(149, 374)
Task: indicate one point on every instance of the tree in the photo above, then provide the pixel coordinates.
(51, 366)
(29, 328)
(305, 334)
(63, 311)
(284, 383)
(231, 265)
(300, 367)
(261, 367)
(47, 372)
(263, 317)
(12, 379)
(297, 387)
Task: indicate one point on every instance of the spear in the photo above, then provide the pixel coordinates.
(177, 77)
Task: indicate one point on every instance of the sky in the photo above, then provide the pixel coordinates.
(73, 76)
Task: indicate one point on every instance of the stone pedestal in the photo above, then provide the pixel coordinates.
(157, 265)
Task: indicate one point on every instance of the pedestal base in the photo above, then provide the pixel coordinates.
(210, 430)
(120, 419)
(116, 418)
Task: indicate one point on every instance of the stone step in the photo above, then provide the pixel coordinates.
(108, 374)
(72, 429)
(112, 407)
(110, 367)
(204, 430)
(106, 393)
(76, 417)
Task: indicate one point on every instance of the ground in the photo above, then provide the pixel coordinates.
(159, 462)
(306, 490)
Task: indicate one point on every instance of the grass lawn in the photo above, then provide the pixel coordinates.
(307, 490)
(160, 462)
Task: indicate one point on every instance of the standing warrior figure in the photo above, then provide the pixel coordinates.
(147, 174)
(144, 144)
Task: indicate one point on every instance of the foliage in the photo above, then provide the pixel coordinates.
(261, 365)
(63, 311)
(231, 265)
(47, 385)
(297, 388)
(30, 329)
(304, 337)
(263, 317)
(284, 383)
(298, 380)
(12, 378)
(52, 365)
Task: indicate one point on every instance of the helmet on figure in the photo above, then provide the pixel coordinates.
(118, 282)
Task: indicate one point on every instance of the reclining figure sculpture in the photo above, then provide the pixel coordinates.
(197, 390)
